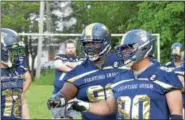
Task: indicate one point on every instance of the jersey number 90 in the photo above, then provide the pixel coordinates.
(131, 106)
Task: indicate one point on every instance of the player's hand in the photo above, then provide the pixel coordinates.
(55, 101)
(78, 105)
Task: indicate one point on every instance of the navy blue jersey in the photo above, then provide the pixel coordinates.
(93, 83)
(180, 71)
(22, 68)
(170, 65)
(11, 91)
(58, 82)
(144, 97)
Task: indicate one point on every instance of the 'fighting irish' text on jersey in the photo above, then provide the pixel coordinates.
(93, 83)
(11, 91)
(144, 97)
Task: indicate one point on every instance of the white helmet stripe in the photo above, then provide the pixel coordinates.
(148, 51)
(2, 38)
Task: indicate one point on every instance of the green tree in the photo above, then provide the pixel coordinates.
(16, 15)
(19, 16)
(165, 18)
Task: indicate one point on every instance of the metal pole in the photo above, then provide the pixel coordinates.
(158, 47)
(49, 28)
(39, 48)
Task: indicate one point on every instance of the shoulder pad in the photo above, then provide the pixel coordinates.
(166, 69)
(125, 68)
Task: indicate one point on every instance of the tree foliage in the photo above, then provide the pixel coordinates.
(165, 18)
(16, 15)
(19, 17)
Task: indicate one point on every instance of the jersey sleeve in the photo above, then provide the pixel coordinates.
(23, 65)
(179, 70)
(173, 80)
(72, 77)
(59, 57)
(22, 68)
(115, 85)
(168, 82)
(59, 60)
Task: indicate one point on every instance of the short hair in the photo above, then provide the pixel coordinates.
(69, 41)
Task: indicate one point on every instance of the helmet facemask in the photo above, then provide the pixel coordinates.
(16, 53)
(176, 54)
(95, 40)
(11, 55)
(127, 54)
(133, 53)
(95, 49)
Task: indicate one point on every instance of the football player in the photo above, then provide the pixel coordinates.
(176, 50)
(144, 92)
(63, 64)
(11, 79)
(90, 81)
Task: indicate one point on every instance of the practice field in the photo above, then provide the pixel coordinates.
(36, 98)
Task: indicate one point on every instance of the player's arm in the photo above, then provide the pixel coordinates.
(174, 100)
(27, 82)
(25, 110)
(73, 64)
(61, 66)
(69, 91)
(105, 107)
(173, 94)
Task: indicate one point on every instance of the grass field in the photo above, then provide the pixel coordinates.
(38, 94)
(36, 98)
